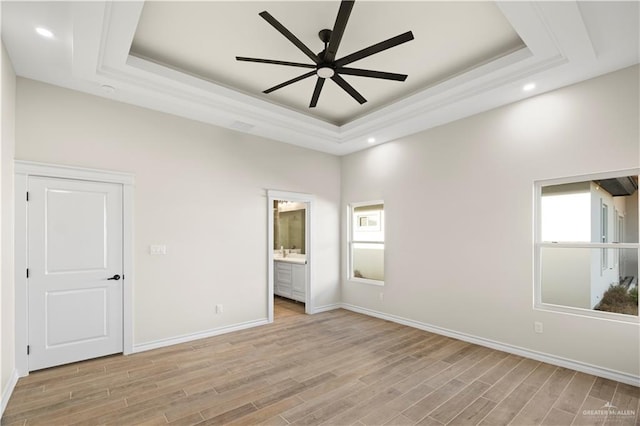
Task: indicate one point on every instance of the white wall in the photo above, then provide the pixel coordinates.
(459, 217)
(201, 190)
(7, 287)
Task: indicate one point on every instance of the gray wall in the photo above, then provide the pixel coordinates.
(459, 217)
(201, 190)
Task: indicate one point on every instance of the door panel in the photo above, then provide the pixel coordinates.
(89, 304)
(76, 238)
(75, 245)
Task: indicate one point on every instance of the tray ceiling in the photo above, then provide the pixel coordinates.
(203, 39)
(178, 57)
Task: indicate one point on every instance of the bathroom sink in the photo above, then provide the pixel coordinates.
(291, 258)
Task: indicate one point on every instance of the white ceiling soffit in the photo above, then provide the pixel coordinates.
(566, 42)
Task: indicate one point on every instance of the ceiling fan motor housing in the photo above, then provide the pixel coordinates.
(325, 35)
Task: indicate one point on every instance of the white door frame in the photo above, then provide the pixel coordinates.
(25, 169)
(309, 232)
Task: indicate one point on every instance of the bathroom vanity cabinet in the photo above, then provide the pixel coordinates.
(290, 280)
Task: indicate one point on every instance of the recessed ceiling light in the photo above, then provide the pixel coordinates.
(529, 87)
(44, 32)
(371, 140)
(108, 89)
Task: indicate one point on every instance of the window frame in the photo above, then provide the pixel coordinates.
(539, 245)
(351, 241)
(619, 231)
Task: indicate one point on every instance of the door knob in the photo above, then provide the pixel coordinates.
(115, 277)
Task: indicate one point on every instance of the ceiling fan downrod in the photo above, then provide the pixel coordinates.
(325, 69)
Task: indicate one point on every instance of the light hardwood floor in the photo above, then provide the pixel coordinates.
(338, 368)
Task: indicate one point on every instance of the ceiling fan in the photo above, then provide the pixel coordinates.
(325, 65)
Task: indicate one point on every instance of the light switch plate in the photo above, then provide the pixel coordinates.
(158, 249)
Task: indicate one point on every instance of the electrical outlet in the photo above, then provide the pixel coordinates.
(537, 326)
(219, 309)
(381, 295)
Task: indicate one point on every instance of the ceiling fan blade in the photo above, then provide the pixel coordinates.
(371, 73)
(293, 39)
(316, 92)
(275, 62)
(378, 47)
(288, 82)
(338, 29)
(348, 88)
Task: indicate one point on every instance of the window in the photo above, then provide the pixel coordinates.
(366, 242)
(587, 245)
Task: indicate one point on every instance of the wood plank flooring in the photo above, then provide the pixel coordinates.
(333, 368)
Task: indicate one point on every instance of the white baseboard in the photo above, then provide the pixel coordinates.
(8, 390)
(538, 356)
(326, 308)
(195, 336)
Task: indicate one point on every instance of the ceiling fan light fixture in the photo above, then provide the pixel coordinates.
(325, 72)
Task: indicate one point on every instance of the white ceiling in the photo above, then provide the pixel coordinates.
(466, 58)
(203, 39)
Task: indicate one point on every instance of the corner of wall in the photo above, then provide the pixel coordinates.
(8, 373)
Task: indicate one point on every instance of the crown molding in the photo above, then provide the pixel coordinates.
(559, 51)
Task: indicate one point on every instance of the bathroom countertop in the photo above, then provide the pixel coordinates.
(299, 259)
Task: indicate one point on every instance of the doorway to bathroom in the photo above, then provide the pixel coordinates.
(289, 251)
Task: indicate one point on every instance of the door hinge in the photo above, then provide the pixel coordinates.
(27, 195)
(28, 349)
(27, 272)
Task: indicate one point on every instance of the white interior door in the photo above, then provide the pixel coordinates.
(75, 270)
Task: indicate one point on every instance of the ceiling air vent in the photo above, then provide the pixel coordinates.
(619, 186)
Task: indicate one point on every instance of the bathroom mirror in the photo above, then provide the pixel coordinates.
(289, 226)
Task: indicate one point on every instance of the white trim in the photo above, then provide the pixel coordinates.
(156, 344)
(591, 245)
(32, 168)
(326, 308)
(586, 177)
(504, 347)
(8, 390)
(558, 52)
(310, 231)
(24, 169)
(127, 268)
(20, 262)
(365, 280)
(587, 313)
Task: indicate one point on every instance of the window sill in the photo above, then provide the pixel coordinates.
(588, 313)
(366, 281)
